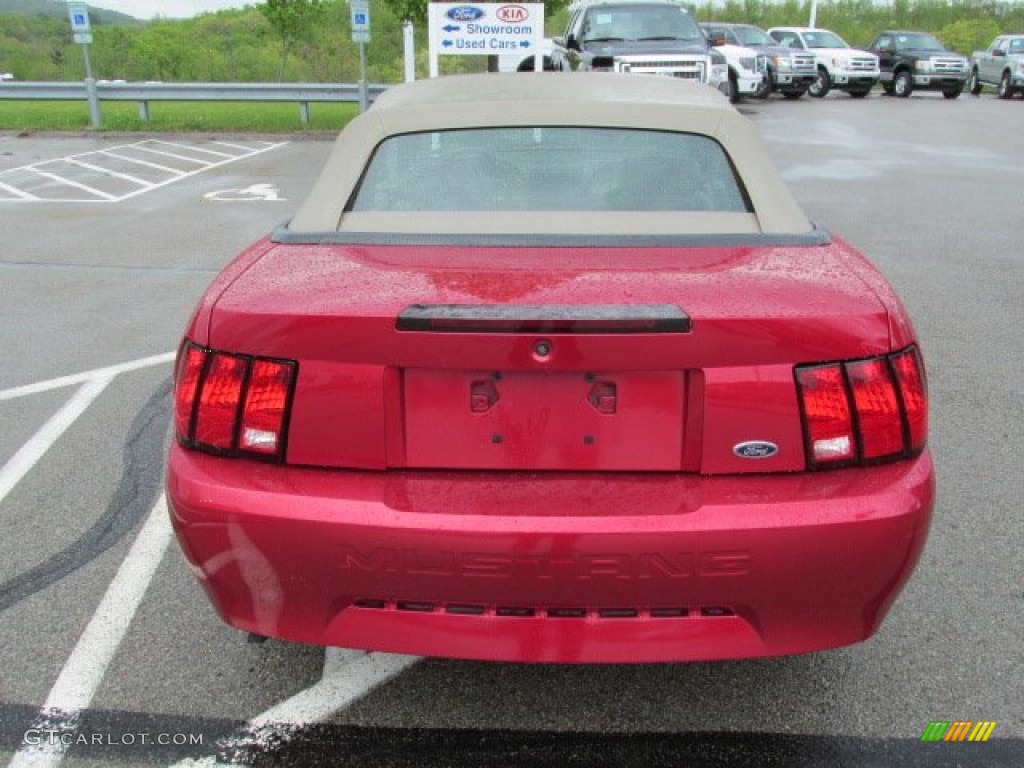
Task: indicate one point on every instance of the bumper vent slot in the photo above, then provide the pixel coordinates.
(567, 613)
(465, 610)
(514, 612)
(416, 607)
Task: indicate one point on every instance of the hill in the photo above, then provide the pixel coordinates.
(59, 9)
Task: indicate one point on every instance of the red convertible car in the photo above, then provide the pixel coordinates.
(552, 368)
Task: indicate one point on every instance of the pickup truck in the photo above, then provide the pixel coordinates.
(839, 66)
(912, 61)
(784, 70)
(646, 37)
(1002, 65)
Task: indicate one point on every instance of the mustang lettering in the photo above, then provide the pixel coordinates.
(583, 567)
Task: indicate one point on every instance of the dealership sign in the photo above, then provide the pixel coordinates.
(473, 29)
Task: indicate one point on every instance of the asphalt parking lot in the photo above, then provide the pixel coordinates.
(108, 644)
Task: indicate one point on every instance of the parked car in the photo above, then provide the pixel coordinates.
(1002, 65)
(787, 71)
(657, 37)
(911, 61)
(839, 66)
(747, 67)
(551, 385)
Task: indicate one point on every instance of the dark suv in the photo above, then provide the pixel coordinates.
(790, 72)
(916, 60)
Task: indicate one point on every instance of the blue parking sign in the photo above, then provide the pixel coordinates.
(78, 13)
(360, 15)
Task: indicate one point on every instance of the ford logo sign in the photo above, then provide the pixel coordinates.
(465, 13)
(755, 449)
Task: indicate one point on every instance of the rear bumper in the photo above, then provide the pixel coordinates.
(552, 567)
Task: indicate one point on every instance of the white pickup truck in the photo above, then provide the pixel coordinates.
(839, 66)
(1002, 65)
(747, 67)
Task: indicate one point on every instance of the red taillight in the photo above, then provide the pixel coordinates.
(265, 403)
(232, 404)
(219, 397)
(828, 426)
(913, 388)
(862, 411)
(877, 408)
(186, 384)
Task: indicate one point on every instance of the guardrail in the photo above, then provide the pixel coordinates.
(302, 94)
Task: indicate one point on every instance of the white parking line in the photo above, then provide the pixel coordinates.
(91, 162)
(72, 183)
(108, 172)
(33, 450)
(17, 192)
(232, 145)
(84, 670)
(191, 148)
(137, 161)
(93, 383)
(347, 677)
(153, 150)
(79, 378)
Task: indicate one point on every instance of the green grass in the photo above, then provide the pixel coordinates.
(174, 116)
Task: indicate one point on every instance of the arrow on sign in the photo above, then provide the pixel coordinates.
(524, 44)
(450, 28)
(447, 43)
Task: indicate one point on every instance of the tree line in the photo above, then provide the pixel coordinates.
(311, 41)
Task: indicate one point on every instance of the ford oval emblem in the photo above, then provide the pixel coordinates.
(755, 449)
(465, 13)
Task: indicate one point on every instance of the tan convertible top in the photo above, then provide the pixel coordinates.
(551, 99)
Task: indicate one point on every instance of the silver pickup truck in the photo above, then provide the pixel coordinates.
(1002, 65)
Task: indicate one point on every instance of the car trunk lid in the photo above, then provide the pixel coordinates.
(546, 358)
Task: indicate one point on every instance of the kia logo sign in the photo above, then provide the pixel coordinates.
(512, 13)
(465, 13)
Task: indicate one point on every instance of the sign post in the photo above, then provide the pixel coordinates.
(468, 29)
(361, 34)
(409, 51)
(81, 33)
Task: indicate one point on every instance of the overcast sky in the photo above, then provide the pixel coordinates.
(175, 9)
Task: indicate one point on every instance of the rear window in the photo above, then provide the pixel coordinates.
(549, 169)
